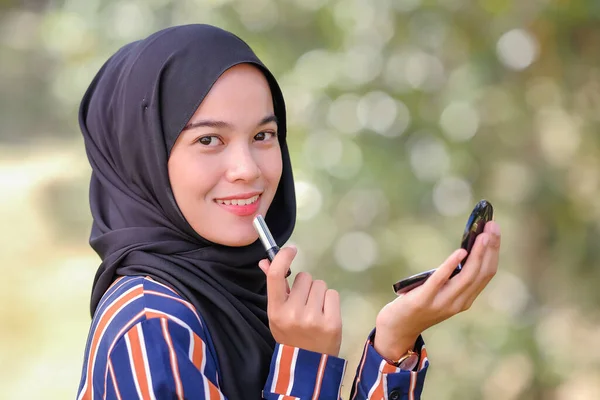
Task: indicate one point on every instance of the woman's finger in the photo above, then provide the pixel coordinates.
(463, 285)
(439, 278)
(300, 289)
(331, 305)
(275, 272)
(489, 265)
(316, 297)
(264, 265)
(472, 266)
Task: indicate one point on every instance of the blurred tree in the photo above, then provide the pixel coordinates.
(402, 114)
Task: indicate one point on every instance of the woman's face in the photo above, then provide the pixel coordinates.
(226, 164)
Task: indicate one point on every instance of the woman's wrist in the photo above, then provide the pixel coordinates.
(392, 348)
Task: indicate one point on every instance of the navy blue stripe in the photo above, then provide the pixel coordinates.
(122, 367)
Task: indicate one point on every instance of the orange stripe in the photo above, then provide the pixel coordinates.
(185, 303)
(124, 329)
(319, 382)
(176, 297)
(152, 314)
(173, 358)
(285, 366)
(413, 384)
(119, 279)
(104, 320)
(362, 364)
(378, 392)
(423, 358)
(198, 353)
(161, 284)
(114, 379)
(197, 359)
(213, 391)
(137, 356)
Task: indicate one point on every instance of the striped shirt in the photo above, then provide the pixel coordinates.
(147, 342)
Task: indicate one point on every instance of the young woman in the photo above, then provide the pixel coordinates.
(186, 135)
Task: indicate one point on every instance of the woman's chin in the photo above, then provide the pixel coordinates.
(239, 239)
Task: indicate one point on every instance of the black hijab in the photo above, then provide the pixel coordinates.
(130, 117)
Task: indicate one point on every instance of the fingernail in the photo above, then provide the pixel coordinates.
(496, 229)
(263, 269)
(486, 241)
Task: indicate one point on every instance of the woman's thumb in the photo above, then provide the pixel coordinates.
(264, 265)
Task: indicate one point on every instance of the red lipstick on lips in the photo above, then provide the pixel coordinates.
(241, 210)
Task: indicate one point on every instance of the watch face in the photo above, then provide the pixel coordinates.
(409, 363)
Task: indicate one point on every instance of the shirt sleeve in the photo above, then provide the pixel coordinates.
(302, 374)
(376, 379)
(158, 358)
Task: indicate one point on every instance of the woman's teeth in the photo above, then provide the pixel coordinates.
(238, 202)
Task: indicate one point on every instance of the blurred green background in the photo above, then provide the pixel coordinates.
(402, 115)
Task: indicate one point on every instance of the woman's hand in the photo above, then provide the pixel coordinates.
(400, 322)
(308, 315)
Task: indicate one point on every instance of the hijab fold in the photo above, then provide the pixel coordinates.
(130, 117)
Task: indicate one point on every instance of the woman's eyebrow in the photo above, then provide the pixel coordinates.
(222, 124)
(207, 123)
(267, 119)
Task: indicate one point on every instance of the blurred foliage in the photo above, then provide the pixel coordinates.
(402, 114)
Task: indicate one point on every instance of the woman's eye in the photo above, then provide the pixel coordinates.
(209, 141)
(262, 136)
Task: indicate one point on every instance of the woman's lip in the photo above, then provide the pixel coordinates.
(243, 210)
(241, 196)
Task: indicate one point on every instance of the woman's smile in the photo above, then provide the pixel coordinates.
(242, 204)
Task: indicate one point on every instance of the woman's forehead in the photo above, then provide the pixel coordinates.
(241, 92)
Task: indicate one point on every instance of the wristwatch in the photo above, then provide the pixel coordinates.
(407, 362)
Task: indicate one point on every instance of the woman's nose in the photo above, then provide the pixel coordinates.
(242, 165)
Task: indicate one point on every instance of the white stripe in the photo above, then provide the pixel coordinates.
(207, 384)
(191, 350)
(276, 374)
(132, 365)
(80, 396)
(145, 359)
(112, 292)
(362, 364)
(178, 300)
(381, 365)
(170, 317)
(93, 361)
(292, 371)
(413, 383)
(204, 356)
(385, 382)
(162, 284)
(114, 381)
(173, 357)
(339, 396)
(118, 336)
(385, 386)
(115, 314)
(206, 387)
(124, 329)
